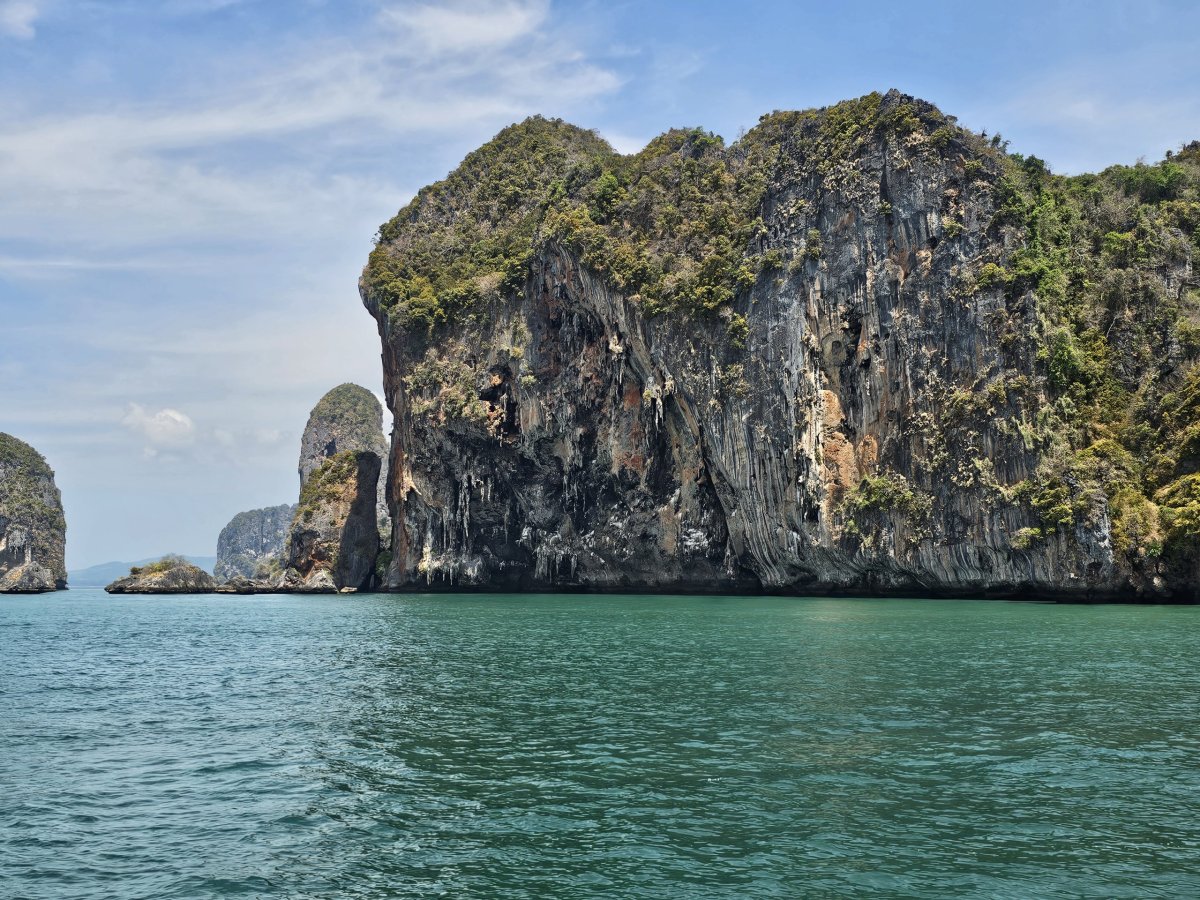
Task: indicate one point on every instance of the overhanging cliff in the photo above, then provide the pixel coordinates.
(861, 349)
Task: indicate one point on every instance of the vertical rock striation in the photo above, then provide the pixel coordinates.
(334, 539)
(32, 526)
(336, 530)
(853, 352)
(252, 544)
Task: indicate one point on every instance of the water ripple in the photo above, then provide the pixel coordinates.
(595, 747)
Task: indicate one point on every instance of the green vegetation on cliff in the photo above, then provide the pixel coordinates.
(22, 494)
(32, 525)
(352, 412)
(330, 482)
(165, 564)
(1110, 259)
(889, 494)
(471, 237)
(677, 227)
(1090, 281)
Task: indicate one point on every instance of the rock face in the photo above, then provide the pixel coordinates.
(349, 417)
(334, 539)
(861, 350)
(335, 536)
(170, 575)
(32, 526)
(252, 545)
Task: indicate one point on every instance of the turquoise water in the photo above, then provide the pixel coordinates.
(474, 746)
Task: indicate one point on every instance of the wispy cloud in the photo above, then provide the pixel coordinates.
(27, 266)
(179, 254)
(17, 18)
(1096, 114)
(435, 29)
(178, 168)
(202, 7)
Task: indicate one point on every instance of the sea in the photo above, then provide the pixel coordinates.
(554, 746)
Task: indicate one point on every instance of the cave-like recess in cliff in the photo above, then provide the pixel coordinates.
(861, 348)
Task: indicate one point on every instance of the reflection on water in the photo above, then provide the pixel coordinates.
(595, 747)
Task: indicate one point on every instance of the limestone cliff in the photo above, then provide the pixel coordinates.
(860, 350)
(252, 544)
(334, 538)
(349, 417)
(32, 526)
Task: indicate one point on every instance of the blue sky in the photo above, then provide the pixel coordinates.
(188, 188)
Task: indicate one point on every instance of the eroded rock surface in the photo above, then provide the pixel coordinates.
(349, 417)
(32, 525)
(334, 538)
(252, 545)
(856, 351)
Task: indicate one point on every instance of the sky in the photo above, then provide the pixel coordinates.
(189, 188)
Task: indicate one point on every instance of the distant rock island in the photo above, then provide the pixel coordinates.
(862, 349)
(32, 526)
(102, 574)
(252, 544)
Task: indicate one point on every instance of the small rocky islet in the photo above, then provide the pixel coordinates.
(860, 350)
(169, 575)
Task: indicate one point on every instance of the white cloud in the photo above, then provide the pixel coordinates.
(200, 7)
(438, 28)
(165, 429)
(179, 167)
(268, 436)
(17, 18)
(625, 143)
(171, 435)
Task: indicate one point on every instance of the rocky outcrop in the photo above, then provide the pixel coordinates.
(241, 585)
(855, 352)
(32, 526)
(252, 545)
(349, 417)
(330, 540)
(334, 540)
(170, 575)
(338, 527)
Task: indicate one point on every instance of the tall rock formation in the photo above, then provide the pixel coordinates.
(862, 349)
(334, 539)
(253, 544)
(349, 417)
(32, 526)
(335, 535)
